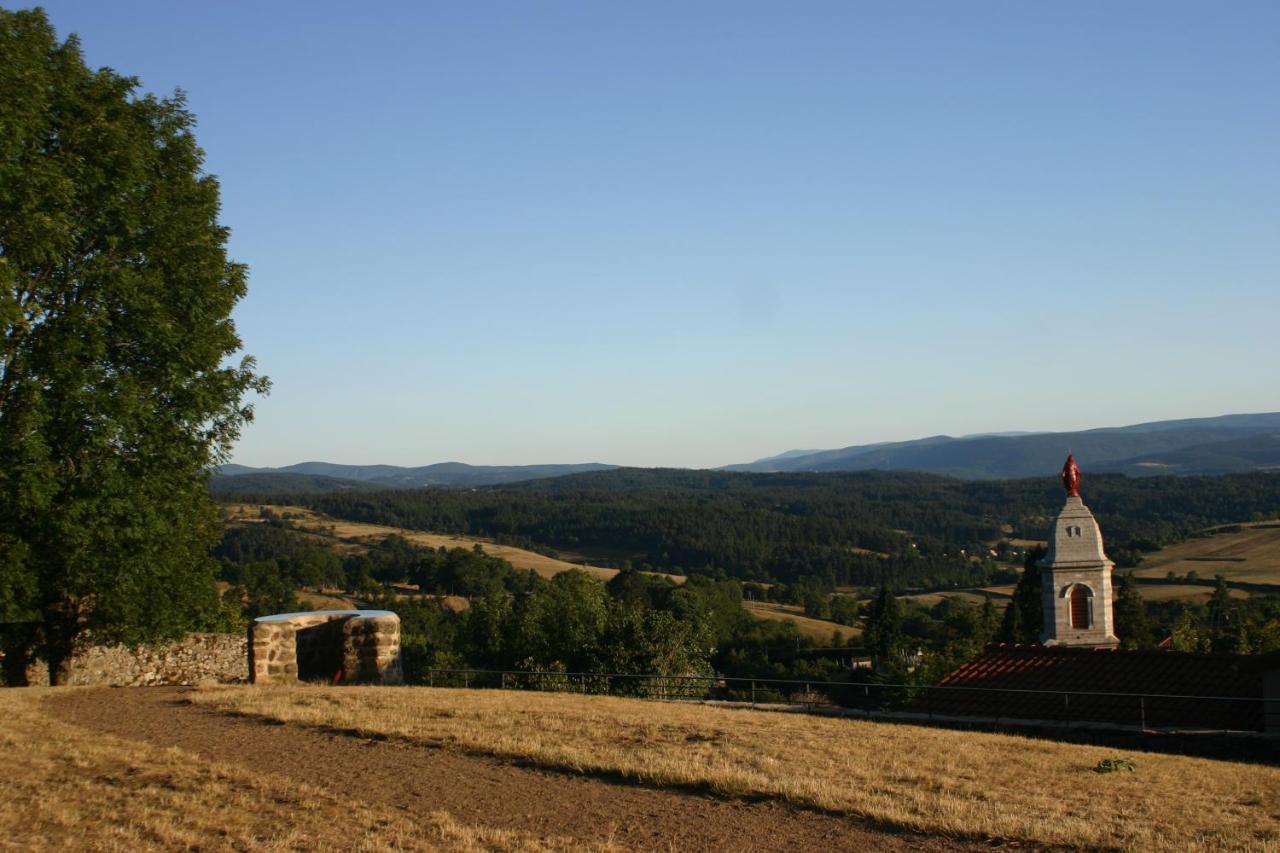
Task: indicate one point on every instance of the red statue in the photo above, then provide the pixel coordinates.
(1071, 477)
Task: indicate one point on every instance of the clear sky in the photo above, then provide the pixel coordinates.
(697, 233)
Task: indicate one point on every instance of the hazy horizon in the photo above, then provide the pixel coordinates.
(697, 235)
(787, 451)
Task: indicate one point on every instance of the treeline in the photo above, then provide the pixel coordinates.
(515, 620)
(864, 528)
(265, 563)
(645, 624)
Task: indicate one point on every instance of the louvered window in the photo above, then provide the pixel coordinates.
(1080, 600)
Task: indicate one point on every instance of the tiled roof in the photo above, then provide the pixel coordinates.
(1135, 688)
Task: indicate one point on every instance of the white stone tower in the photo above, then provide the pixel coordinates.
(1076, 576)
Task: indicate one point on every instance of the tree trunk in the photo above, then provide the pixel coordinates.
(58, 656)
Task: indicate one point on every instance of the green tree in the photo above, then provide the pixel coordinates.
(844, 609)
(1024, 617)
(116, 396)
(654, 642)
(259, 589)
(717, 603)
(1133, 624)
(964, 632)
(633, 589)
(883, 636)
(562, 623)
(1186, 633)
(1221, 610)
(486, 629)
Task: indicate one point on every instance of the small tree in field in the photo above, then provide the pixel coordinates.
(116, 397)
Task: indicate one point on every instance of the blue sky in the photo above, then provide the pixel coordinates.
(699, 233)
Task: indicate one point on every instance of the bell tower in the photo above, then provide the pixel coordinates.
(1076, 575)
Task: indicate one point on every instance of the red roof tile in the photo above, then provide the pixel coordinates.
(1155, 689)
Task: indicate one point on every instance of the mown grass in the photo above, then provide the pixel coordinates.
(65, 788)
(964, 784)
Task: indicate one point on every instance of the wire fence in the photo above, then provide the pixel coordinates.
(1131, 710)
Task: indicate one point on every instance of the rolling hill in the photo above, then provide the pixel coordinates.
(279, 483)
(1219, 445)
(327, 476)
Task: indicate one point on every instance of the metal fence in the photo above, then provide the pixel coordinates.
(1145, 711)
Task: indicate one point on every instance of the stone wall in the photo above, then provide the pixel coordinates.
(197, 659)
(335, 646)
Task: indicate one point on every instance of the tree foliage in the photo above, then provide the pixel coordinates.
(816, 531)
(1132, 623)
(1024, 617)
(115, 392)
(883, 637)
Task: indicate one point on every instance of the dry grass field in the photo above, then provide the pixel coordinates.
(354, 532)
(1182, 592)
(959, 784)
(67, 788)
(1000, 595)
(968, 596)
(326, 600)
(819, 629)
(1250, 554)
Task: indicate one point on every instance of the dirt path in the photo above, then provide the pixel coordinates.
(475, 789)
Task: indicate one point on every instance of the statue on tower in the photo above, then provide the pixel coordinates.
(1071, 477)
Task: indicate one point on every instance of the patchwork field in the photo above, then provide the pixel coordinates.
(949, 783)
(1250, 554)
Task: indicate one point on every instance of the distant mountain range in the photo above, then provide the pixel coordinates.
(309, 477)
(1221, 445)
(1195, 446)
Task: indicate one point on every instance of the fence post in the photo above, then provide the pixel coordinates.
(1066, 705)
(608, 685)
(504, 679)
(466, 679)
(753, 693)
(431, 678)
(1142, 707)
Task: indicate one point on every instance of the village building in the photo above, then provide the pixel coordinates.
(1078, 675)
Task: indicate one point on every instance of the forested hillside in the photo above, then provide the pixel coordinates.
(1219, 445)
(864, 528)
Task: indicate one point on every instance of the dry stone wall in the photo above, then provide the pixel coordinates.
(336, 646)
(196, 659)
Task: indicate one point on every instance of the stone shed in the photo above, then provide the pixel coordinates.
(333, 646)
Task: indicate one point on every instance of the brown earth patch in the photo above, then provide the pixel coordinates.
(478, 789)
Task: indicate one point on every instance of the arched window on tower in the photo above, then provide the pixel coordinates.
(1081, 606)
